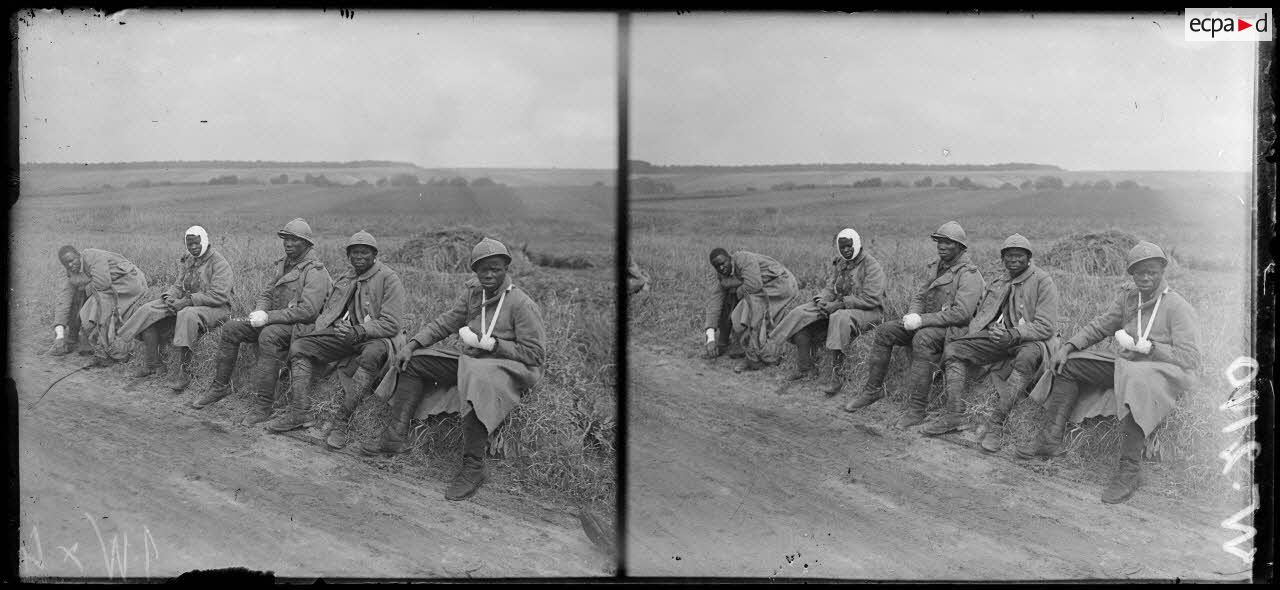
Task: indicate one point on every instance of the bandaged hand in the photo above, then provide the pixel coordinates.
(488, 343)
(911, 321)
(1124, 339)
(1142, 346)
(468, 337)
(258, 318)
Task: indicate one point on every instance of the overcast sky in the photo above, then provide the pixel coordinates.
(1080, 91)
(432, 88)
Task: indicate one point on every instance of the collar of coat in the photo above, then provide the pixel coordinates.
(1131, 291)
(474, 283)
(855, 261)
(310, 256)
(374, 269)
(1022, 278)
(198, 260)
(960, 262)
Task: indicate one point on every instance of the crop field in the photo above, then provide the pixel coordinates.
(1201, 219)
(558, 443)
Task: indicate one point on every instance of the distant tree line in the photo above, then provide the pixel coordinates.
(216, 164)
(644, 167)
(965, 183)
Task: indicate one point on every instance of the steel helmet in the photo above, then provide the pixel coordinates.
(1017, 241)
(298, 228)
(486, 248)
(363, 238)
(1144, 250)
(951, 231)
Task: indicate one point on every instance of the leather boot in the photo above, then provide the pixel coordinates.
(804, 355)
(362, 384)
(265, 374)
(410, 391)
(186, 362)
(1048, 440)
(919, 380)
(475, 439)
(835, 377)
(1128, 472)
(296, 415)
(150, 354)
(991, 437)
(873, 390)
(956, 373)
(223, 367)
(747, 364)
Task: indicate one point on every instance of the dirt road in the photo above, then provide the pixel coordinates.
(121, 480)
(729, 478)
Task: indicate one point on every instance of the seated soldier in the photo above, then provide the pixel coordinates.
(1156, 362)
(102, 291)
(1018, 313)
(751, 295)
(947, 295)
(287, 306)
(502, 335)
(360, 316)
(198, 301)
(851, 302)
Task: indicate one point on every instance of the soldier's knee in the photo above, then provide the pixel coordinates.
(235, 331)
(931, 340)
(885, 333)
(373, 356)
(1026, 361)
(189, 314)
(276, 337)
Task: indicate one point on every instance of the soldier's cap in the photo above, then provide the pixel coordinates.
(298, 228)
(951, 231)
(1144, 250)
(486, 248)
(1017, 241)
(363, 238)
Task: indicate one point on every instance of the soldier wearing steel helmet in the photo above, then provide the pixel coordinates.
(502, 334)
(1153, 359)
(1017, 316)
(284, 309)
(947, 295)
(361, 314)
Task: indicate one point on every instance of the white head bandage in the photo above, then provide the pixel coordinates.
(196, 230)
(849, 234)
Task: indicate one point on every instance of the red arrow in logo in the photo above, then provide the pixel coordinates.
(1241, 25)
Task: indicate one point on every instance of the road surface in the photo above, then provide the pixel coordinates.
(729, 478)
